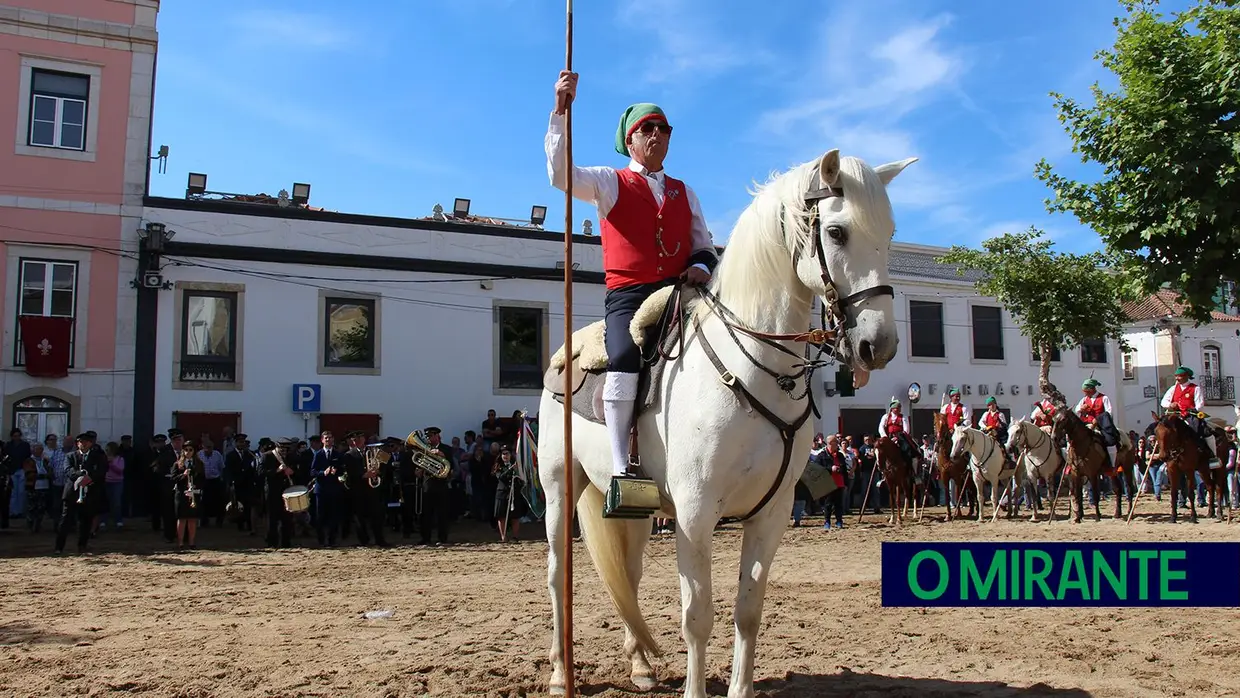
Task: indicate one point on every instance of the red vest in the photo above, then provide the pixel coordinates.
(1186, 397)
(634, 227)
(895, 423)
(1048, 411)
(955, 413)
(990, 420)
(1093, 408)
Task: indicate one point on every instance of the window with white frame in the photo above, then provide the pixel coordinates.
(1094, 351)
(1130, 366)
(58, 103)
(46, 288)
(1210, 364)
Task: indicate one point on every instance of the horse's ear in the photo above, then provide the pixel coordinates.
(829, 168)
(1154, 415)
(889, 171)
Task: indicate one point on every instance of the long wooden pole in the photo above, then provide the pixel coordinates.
(570, 506)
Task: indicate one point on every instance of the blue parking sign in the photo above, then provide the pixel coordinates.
(307, 397)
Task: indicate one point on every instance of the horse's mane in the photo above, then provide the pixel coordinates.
(757, 263)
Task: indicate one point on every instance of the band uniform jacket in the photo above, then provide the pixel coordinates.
(434, 485)
(275, 481)
(93, 463)
(242, 470)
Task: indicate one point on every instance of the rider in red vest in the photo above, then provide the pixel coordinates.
(956, 411)
(1187, 398)
(1095, 410)
(653, 233)
(1043, 414)
(895, 426)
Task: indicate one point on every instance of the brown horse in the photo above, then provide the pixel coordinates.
(952, 470)
(898, 474)
(1178, 449)
(1087, 460)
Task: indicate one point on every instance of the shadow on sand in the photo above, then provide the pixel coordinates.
(23, 633)
(848, 684)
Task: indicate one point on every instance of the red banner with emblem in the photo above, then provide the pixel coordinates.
(45, 341)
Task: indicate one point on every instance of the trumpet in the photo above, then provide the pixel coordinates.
(189, 487)
(425, 457)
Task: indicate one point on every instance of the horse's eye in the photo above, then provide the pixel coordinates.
(837, 234)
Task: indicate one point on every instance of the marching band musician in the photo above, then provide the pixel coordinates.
(1187, 398)
(166, 460)
(327, 469)
(957, 412)
(368, 503)
(505, 472)
(436, 495)
(188, 475)
(277, 476)
(1095, 410)
(408, 489)
(85, 468)
(241, 465)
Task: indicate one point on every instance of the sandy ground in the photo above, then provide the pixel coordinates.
(473, 619)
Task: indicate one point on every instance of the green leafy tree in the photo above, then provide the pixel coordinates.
(1059, 299)
(1167, 205)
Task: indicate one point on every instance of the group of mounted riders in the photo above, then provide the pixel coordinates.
(1184, 400)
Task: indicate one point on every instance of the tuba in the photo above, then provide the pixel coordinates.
(376, 458)
(427, 458)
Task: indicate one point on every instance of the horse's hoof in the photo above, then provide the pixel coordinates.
(556, 690)
(644, 683)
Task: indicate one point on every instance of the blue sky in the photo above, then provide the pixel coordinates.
(408, 104)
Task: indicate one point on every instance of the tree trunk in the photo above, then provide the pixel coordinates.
(1044, 376)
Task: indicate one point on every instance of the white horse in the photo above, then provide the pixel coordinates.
(987, 463)
(1040, 456)
(822, 229)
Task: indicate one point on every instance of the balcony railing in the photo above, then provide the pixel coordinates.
(1219, 388)
(200, 371)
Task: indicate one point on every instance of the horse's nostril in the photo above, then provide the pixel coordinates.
(867, 352)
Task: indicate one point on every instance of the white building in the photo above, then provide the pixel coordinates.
(952, 337)
(1161, 339)
(394, 324)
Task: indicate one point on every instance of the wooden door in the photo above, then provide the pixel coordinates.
(341, 424)
(195, 424)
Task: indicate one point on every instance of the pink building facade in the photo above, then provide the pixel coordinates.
(76, 87)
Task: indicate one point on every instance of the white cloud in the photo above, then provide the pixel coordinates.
(687, 43)
(296, 30)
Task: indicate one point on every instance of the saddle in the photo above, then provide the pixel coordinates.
(656, 324)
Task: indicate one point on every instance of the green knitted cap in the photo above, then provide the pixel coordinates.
(1184, 371)
(990, 400)
(1091, 383)
(632, 118)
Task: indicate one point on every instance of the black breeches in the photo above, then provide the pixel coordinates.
(623, 354)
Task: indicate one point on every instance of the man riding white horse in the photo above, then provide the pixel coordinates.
(653, 233)
(994, 424)
(1043, 414)
(956, 411)
(895, 426)
(1187, 398)
(1095, 410)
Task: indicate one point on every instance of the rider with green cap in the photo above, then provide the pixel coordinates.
(956, 411)
(1095, 410)
(895, 426)
(1187, 398)
(994, 423)
(653, 233)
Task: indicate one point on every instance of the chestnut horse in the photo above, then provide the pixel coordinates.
(898, 475)
(952, 470)
(1178, 449)
(1086, 459)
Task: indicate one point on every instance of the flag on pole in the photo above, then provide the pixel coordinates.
(527, 467)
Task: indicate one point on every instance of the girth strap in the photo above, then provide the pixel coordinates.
(787, 431)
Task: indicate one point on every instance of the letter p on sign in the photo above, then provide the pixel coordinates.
(307, 397)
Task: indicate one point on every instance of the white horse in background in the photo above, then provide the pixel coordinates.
(824, 230)
(987, 463)
(1042, 459)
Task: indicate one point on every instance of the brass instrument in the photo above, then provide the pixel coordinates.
(83, 487)
(425, 457)
(376, 458)
(189, 487)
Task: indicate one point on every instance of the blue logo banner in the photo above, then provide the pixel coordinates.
(1079, 574)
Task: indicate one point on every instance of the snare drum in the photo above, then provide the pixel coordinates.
(296, 499)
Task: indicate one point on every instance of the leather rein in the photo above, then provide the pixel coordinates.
(830, 336)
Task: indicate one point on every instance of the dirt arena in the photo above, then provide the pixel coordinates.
(472, 619)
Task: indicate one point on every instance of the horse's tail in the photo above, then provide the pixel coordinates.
(608, 541)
